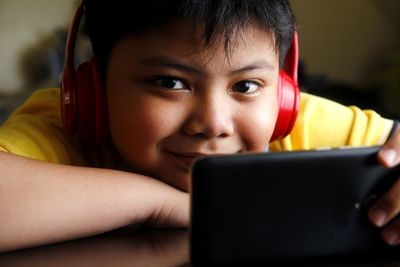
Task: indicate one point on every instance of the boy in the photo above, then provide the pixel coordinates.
(182, 79)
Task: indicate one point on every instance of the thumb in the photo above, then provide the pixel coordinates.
(389, 155)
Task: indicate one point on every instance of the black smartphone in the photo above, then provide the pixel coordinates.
(285, 205)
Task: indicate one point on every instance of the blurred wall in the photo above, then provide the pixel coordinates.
(22, 24)
(347, 40)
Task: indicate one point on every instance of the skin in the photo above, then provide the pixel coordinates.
(383, 212)
(160, 125)
(171, 100)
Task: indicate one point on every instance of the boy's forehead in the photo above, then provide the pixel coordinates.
(187, 40)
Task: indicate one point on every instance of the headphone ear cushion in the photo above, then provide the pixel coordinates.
(289, 101)
(91, 102)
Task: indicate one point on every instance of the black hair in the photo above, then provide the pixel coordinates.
(108, 21)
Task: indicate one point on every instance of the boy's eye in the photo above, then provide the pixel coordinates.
(246, 87)
(171, 83)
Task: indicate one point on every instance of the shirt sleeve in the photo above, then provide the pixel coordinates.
(325, 123)
(34, 130)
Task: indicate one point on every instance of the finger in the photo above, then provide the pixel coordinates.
(391, 234)
(389, 155)
(387, 207)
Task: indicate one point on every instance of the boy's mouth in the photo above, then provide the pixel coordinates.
(185, 159)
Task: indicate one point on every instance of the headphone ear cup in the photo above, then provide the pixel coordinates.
(289, 101)
(91, 103)
(68, 103)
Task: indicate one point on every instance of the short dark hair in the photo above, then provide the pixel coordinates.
(107, 21)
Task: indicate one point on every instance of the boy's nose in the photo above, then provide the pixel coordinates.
(210, 117)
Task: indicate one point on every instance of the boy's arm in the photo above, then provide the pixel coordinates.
(42, 202)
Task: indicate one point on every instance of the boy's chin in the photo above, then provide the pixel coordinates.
(177, 178)
(181, 181)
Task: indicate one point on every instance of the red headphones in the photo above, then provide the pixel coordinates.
(83, 99)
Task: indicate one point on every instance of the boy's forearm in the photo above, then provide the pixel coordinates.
(43, 203)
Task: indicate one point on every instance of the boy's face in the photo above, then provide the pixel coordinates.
(171, 100)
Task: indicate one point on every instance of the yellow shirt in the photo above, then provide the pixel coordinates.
(34, 130)
(325, 123)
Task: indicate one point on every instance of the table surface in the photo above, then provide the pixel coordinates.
(144, 248)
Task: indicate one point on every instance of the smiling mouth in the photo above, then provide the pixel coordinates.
(185, 160)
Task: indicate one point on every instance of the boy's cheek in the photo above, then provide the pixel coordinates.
(260, 124)
(258, 133)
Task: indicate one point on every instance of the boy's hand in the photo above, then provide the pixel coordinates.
(388, 206)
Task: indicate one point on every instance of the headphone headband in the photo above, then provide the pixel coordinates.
(68, 81)
(292, 58)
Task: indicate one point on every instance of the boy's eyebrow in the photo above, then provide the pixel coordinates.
(260, 64)
(172, 63)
